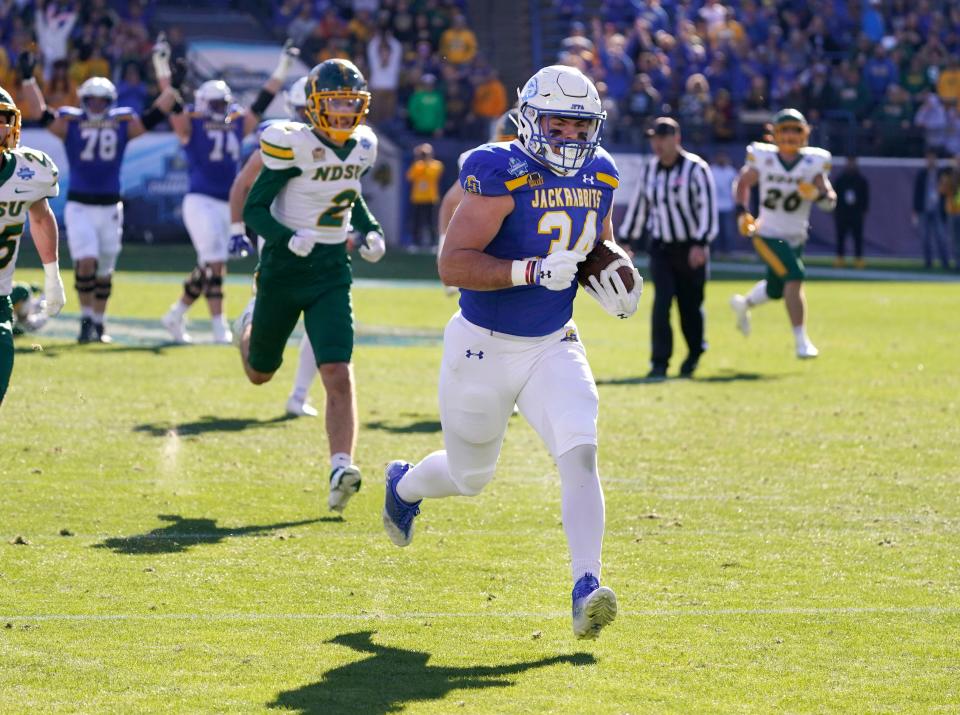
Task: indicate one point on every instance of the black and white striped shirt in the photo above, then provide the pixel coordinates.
(673, 204)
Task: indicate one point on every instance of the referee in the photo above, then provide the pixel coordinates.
(674, 212)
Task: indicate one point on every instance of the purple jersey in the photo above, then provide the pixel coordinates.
(551, 213)
(213, 152)
(95, 151)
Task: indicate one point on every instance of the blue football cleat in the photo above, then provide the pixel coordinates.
(594, 606)
(398, 515)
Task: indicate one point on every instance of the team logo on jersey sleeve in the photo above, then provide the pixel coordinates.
(365, 143)
(472, 184)
(26, 173)
(534, 179)
(589, 179)
(516, 167)
(319, 154)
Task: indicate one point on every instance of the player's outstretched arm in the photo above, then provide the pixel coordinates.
(43, 228)
(34, 103)
(252, 117)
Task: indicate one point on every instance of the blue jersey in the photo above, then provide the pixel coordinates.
(213, 152)
(552, 213)
(95, 151)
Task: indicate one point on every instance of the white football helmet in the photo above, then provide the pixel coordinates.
(559, 91)
(213, 98)
(296, 99)
(97, 88)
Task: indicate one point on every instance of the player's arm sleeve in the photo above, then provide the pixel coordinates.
(256, 210)
(483, 174)
(362, 219)
(276, 149)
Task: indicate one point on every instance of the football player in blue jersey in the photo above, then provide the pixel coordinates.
(95, 136)
(532, 210)
(211, 131)
(240, 246)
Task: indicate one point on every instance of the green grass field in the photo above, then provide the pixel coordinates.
(782, 535)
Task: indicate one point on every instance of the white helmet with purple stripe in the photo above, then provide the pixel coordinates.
(559, 91)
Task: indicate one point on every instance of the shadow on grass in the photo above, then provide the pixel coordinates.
(209, 423)
(421, 427)
(393, 678)
(180, 534)
(722, 376)
(56, 349)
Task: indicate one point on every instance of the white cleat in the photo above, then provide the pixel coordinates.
(300, 408)
(594, 607)
(176, 325)
(221, 332)
(344, 483)
(742, 309)
(242, 321)
(807, 351)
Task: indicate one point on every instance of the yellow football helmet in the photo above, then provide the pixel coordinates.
(790, 130)
(7, 107)
(337, 98)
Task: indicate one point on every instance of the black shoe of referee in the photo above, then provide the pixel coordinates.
(657, 373)
(688, 367)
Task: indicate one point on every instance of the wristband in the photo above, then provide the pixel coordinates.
(31, 80)
(52, 269)
(740, 209)
(260, 104)
(237, 228)
(524, 273)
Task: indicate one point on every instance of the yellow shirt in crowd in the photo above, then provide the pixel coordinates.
(948, 86)
(424, 177)
(458, 46)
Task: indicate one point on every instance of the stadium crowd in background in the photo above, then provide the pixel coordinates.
(422, 59)
(888, 70)
(76, 41)
(889, 67)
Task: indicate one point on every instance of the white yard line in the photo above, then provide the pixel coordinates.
(413, 616)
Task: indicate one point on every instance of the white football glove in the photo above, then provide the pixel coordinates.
(612, 294)
(557, 270)
(53, 291)
(302, 242)
(372, 247)
(287, 55)
(161, 57)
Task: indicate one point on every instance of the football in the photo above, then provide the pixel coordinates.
(602, 255)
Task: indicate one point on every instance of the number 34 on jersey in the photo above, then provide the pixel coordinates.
(324, 178)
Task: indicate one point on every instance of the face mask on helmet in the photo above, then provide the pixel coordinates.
(9, 125)
(96, 107)
(562, 141)
(337, 113)
(790, 136)
(96, 96)
(213, 99)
